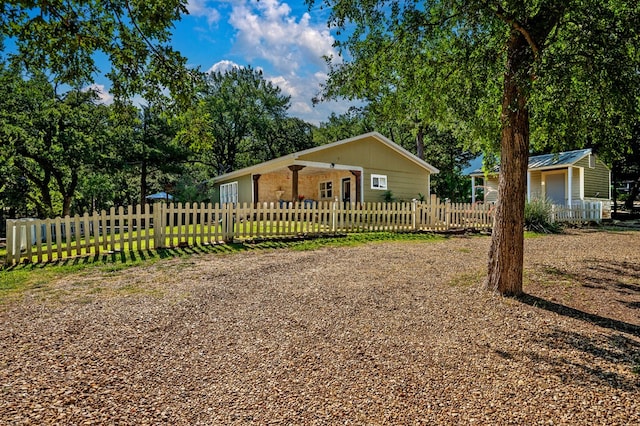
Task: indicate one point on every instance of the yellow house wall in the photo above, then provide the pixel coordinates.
(535, 181)
(405, 179)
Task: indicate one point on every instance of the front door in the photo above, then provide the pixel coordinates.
(346, 190)
(555, 190)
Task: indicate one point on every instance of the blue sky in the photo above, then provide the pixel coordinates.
(283, 38)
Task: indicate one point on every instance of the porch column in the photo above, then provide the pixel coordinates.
(256, 187)
(358, 176)
(569, 184)
(528, 186)
(473, 189)
(294, 181)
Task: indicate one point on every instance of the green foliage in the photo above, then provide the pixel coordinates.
(49, 140)
(63, 38)
(387, 196)
(241, 120)
(537, 216)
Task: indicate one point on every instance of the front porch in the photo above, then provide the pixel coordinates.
(315, 182)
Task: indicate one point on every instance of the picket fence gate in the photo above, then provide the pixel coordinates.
(162, 225)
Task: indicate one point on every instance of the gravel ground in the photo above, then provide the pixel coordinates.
(385, 333)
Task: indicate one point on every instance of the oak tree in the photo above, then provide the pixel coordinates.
(486, 68)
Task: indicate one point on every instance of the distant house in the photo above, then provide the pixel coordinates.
(359, 169)
(564, 178)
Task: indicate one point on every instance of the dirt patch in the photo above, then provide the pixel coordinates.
(385, 333)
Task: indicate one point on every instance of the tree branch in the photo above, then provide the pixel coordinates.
(519, 27)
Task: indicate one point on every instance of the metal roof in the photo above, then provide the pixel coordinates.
(546, 161)
(560, 159)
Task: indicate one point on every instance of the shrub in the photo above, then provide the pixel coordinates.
(387, 196)
(537, 216)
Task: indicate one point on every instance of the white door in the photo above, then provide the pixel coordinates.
(556, 188)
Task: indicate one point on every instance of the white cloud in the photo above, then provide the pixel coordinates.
(199, 8)
(266, 30)
(104, 97)
(289, 48)
(223, 66)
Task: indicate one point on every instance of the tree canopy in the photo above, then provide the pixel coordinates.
(240, 120)
(495, 72)
(64, 37)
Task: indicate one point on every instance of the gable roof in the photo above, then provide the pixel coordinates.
(546, 161)
(289, 159)
(557, 160)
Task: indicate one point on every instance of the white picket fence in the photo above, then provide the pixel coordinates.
(582, 211)
(173, 225)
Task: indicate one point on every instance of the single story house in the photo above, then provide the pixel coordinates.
(359, 169)
(564, 178)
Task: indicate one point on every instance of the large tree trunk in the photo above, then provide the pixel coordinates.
(507, 244)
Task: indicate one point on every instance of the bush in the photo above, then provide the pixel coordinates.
(537, 217)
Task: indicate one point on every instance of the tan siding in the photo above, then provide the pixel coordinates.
(491, 190)
(405, 179)
(536, 184)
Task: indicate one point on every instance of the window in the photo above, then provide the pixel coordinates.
(326, 190)
(229, 193)
(592, 161)
(378, 182)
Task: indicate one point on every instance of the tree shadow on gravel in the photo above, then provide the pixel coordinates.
(568, 311)
(621, 276)
(616, 348)
(614, 351)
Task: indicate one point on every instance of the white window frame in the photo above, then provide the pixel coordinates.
(382, 182)
(328, 192)
(229, 192)
(592, 161)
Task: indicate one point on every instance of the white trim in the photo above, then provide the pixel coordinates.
(320, 197)
(569, 185)
(293, 158)
(529, 185)
(230, 192)
(331, 166)
(379, 177)
(581, 174)
(473, 189)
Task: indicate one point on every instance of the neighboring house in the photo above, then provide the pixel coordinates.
(359, 169)
(564, 178)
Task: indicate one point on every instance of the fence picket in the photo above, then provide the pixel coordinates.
(173, 224)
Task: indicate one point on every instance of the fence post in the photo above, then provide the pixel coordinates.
(414, 204)
(447, 219)
(227, 222)
(158, 240)
(334, 217)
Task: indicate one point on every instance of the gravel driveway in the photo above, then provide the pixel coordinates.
(385, 333)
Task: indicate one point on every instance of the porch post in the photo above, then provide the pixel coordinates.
(294, 181)
(473, 189)
(569, 184)
(358, 176)
(528, 185)
(256, 187)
